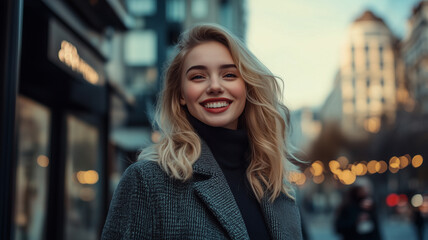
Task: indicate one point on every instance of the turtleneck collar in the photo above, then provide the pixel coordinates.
(229, 147)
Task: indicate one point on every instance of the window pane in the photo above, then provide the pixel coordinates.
(82, 188)
(33, 121)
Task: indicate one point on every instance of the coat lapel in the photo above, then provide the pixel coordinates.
(214, 191)
(283, 218)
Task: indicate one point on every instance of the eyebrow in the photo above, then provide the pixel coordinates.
(202, 67)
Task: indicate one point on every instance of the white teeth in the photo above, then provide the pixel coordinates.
(216, 104)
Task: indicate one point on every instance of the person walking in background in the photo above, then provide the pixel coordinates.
(220, 169)
(418, 222)
(356, 217)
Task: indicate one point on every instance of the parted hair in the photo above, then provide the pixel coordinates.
(265, 118)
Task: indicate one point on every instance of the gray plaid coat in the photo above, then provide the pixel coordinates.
(148, 204)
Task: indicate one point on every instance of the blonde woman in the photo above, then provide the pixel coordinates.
(220, 168)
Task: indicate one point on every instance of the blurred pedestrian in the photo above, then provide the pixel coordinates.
(219, 170)
(356, 217)
(418, 222)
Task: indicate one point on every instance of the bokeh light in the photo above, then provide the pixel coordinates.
(417, 200)
(43, 161)
(392, 200)
(417, 161)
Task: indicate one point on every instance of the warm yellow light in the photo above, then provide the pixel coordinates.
(317, 168)
(417, 200)
(393, 170)
(372, 124)
(364, 169)
(358, 169)
(69, 56)
(87, 177)
(417, 161)
(381, 166)
(404, 162)
(347, 177)
(91, 177)
(394, 162)
(333, 164)
(371, 166)
(43, 161)
(297, 178)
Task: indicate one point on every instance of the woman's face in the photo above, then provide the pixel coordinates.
(211, 86)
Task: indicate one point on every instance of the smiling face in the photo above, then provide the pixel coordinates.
(211, 86)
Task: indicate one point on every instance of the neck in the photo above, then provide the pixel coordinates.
(229, 147)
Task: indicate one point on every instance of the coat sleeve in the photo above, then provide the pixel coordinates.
(130, 214)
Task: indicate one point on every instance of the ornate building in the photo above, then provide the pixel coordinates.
(367, 77)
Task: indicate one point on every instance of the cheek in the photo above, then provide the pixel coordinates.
(239, 91)
(190, 93)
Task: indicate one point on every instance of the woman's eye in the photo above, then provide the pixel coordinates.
(196, 77)
(230, 75)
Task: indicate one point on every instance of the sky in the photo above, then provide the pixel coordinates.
(300, 40)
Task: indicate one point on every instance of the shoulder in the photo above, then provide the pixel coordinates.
(144, 170)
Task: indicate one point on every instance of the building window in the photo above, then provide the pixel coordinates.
(200, 9)
(353, 57)
(382, 82)
(175, 10)
(368, 82)
(381, 57)
(33, 121)
(366, 49)
(83, 195)
(140, 8)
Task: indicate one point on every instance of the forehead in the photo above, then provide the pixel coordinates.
(209, 54)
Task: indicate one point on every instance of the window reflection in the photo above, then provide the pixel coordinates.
(33, 121)
(82, 193)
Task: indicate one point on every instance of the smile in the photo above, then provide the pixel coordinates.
(216, 105)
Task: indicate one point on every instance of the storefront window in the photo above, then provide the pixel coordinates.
(83, 190)
(33, 122)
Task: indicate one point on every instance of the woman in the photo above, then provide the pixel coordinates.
(220, 168)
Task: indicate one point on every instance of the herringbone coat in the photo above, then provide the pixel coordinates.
(148, 204)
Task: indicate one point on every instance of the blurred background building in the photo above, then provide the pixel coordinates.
(373, 127)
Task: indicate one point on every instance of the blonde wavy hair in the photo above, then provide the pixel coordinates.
(265, 118)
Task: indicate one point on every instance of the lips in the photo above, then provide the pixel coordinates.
(216, 105)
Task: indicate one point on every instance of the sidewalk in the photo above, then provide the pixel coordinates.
(319, 227)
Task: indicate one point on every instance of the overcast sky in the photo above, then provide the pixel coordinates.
(299, 40)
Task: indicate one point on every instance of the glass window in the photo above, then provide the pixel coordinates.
(141, 8)
(33, 121)
(199, 9)
(82, 188)
(353, 57)
(140, 48)
(175, 10)
(381, 57)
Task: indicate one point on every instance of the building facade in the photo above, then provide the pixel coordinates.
(415, 56)
(367, 76)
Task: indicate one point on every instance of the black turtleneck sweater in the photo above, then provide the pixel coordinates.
(230, 149)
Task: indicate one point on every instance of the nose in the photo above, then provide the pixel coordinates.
(215, 86)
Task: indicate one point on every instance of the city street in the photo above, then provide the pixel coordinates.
(320, 228)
